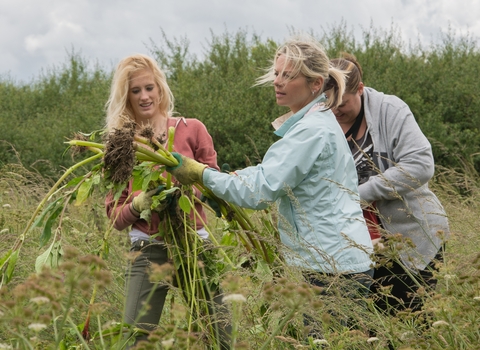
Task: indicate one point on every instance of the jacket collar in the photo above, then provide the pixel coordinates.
(283, 123)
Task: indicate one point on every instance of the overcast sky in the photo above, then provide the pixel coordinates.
(38, 34)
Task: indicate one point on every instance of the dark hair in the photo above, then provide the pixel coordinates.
(349, 63)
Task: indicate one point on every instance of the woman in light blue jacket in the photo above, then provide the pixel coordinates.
(309, 172)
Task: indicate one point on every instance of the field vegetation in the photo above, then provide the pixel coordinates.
(73, 296)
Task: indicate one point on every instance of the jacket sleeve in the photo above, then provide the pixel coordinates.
(286, 163)
(408, 161)
(119, 212)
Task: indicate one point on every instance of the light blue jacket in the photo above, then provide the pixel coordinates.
(311, 174)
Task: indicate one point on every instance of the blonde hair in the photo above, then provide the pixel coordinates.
(308, 57)
(118, 107)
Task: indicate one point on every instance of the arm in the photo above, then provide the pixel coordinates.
(122, 215)
(286, 164)
(410, 161)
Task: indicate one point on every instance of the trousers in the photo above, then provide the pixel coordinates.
(138, 288)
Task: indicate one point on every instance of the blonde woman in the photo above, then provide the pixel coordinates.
(140, 94)
(309, 172)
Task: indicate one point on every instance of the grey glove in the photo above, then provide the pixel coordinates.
(144, 200)
(188, 170)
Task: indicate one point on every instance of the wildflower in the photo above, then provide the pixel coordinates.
(167, 344)
(476, 298)
(372, 339)
(406, 335)
(5, 346)
(321, 342)
(37, 327)
(6, 205)
(439, 323)
(234, 297)
(5, 230)
(40, 300)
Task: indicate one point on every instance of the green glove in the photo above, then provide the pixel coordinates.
(144, 200)
(225, 168)
(212, 204)
(188, 170)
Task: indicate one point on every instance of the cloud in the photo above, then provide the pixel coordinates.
(36, 35)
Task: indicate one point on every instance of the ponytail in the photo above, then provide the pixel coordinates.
(336, 84)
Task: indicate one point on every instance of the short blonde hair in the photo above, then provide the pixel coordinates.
(118, 106)
(308, 57)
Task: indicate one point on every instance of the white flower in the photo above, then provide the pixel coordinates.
(37, 327)
(321, 341)
(5, 346)
(40, 300)
(406, 335)
(476, 298)
(234, 297)
(439, 323)
(449, 277)
(6, 205)
(5, 230)
(372, 339)
(168, 343)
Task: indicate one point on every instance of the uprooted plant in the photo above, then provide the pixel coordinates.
(128, 155)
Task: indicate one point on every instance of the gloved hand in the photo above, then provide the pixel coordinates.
(144, 200)
(188, 170)
(164, 199)
(225, 168)
(212, 204)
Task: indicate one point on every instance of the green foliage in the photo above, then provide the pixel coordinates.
(439, 83)
(219, 91)
(85, 291)
(36, 119)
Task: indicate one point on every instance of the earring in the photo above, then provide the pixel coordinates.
(313, 92)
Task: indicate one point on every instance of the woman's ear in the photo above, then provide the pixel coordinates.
(317, 84)
(360, 88)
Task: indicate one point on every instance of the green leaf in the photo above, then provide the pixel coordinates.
(84, 191)
(50, 257)
(118, 190)
(47, 229)
(50, 207)
(146, 181)
(96, 179)
(146, 215)
(184, 203)
(11, 265)
(74, 181)
(5, 257)
(57, 253)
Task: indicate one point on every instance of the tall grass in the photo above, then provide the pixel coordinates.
(47, 310)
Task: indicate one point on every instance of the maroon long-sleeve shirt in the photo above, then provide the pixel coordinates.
(192, 140)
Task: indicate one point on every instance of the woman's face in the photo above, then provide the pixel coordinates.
(143, 95)
(295, 93)
(348, 110)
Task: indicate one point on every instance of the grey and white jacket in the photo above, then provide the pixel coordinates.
(404, 159)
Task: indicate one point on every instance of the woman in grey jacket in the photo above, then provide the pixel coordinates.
(394, 163)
